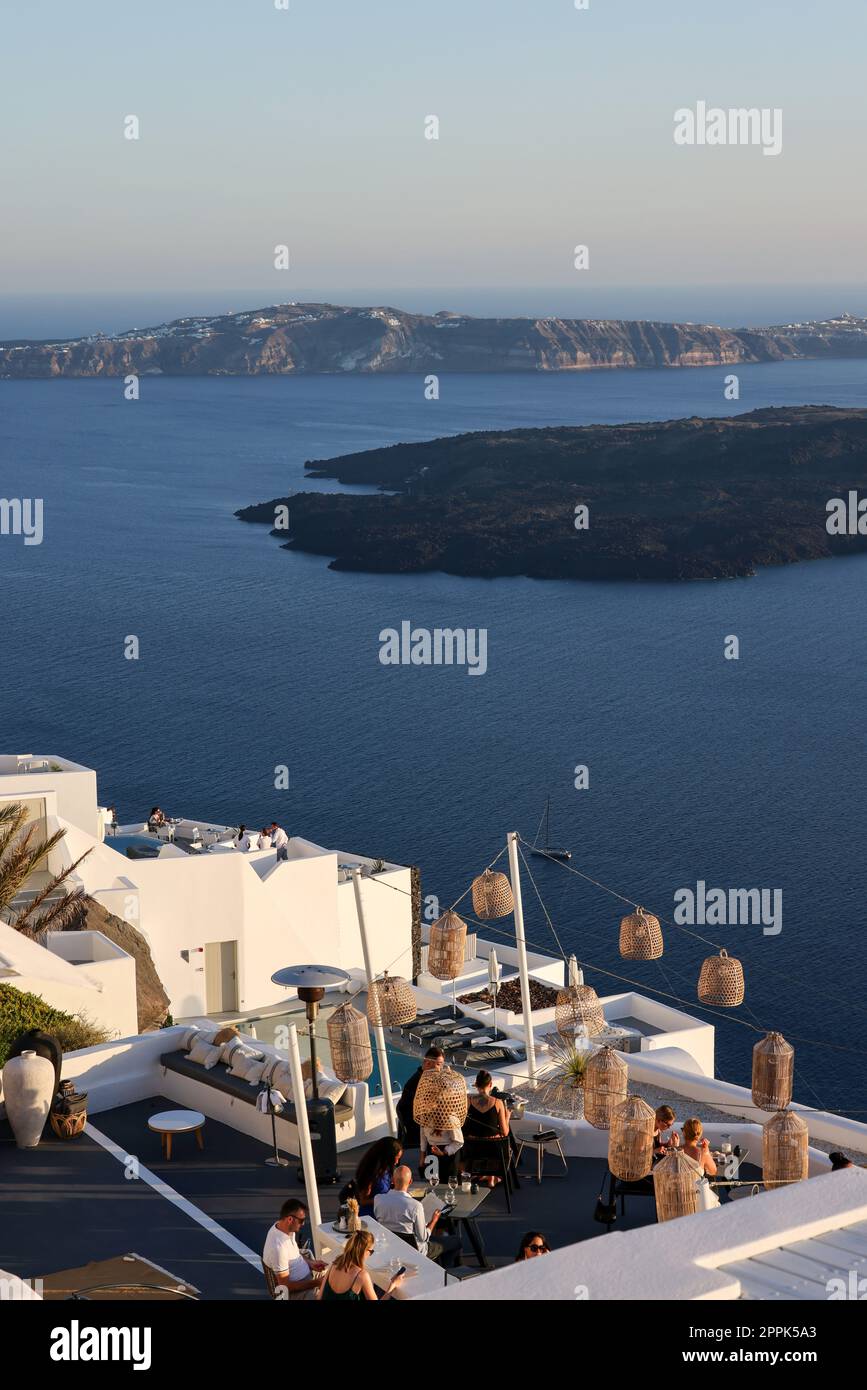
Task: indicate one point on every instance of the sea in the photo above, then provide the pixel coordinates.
(745, 773)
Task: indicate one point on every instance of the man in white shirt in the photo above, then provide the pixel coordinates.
(292, 1273)
(279, 840)
(399, 1212)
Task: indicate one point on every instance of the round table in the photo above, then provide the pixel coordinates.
(171, 1122)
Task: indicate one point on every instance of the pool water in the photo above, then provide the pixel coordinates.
(124, 842)
(269, 1028)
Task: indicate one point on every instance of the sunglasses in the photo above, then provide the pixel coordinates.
(537, 1247)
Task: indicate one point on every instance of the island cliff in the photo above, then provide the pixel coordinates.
(295, 338)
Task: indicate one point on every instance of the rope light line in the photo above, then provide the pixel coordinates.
(625, 979)
(541, 903)
(718, 946)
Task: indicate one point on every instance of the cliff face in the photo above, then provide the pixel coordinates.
(685, 499)
(290, 338)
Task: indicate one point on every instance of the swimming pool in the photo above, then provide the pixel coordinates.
(145, 846)
(264, 1028)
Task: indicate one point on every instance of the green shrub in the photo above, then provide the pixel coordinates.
(20, 1011)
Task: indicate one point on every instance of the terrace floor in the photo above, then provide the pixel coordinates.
(203, 1216)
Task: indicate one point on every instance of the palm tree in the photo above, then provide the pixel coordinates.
(20, 852)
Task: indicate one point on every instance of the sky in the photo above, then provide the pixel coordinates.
(305, 127)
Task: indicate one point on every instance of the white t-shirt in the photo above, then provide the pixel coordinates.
(264, 842)
(244, 843)
(397, 1211)
(279, 838)
(281, 1255)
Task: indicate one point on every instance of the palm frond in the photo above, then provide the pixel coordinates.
(36, 916)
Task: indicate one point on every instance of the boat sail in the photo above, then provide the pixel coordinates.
(548, 851)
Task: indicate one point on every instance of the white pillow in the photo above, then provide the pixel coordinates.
(253, 1076)
(281, 1078)
(271, 1063)
(204, 1054)
(189, 1036)
(330, 1090)
(242, 1059)
(227, 1048)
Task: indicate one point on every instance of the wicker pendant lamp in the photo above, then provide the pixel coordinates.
(674, 1186)
(721, 981)
(577, 1006)
(773, 1072)
(390, 1002)
(605, 1085)
(640, 936)
(440, 1100)
(492, 896)
(784, 1149)
(630, 1140)
(349, 1040)
(448, 936)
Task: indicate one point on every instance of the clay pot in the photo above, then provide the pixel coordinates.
(28, 1088)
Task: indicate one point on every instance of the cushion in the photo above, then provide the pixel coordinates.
(203, 1053)
(271, 1063)
(254, 1073)
(244, 1061)
(328, 1089)
(281, 1078)
(189, 1036)
(228, 1047)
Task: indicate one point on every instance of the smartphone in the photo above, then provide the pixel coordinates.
(401, 1271)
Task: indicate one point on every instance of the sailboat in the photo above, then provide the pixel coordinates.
(548, 851)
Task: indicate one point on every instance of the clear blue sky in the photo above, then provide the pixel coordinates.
(306, 127)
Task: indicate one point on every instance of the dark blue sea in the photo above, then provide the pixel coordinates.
(745, 773)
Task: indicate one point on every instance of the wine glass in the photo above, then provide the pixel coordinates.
(453, 1187)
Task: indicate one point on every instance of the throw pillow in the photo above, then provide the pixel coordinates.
(204, 1054)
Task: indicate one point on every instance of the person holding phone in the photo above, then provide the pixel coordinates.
(405, 1215)
(348, 1279)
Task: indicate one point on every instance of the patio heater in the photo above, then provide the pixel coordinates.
(311, 982)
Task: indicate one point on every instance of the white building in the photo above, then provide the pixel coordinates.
(218, 921)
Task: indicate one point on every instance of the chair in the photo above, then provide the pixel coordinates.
(490, 1158)
(270, 1281)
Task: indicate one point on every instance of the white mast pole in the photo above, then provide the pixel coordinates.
(512, 842)
(378, 1032)
(304, 1142)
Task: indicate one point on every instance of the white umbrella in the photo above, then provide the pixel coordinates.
(494, 980)
(576, 974)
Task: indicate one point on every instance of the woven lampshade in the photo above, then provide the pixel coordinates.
(492, 895)
(605, 1085)
(784, 1149)
(773, 1072)
(390, 1002)
(578, 1006)
(349, 1040)
(674, 1186)
(721, 981)
(630, 1140)
(448, 936)
(640, 936)
(440, 1099)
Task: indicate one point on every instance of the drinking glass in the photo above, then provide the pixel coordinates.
(453, 1185)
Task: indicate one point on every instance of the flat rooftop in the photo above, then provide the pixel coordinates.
(203, 1216)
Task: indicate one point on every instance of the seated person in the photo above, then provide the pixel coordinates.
(533, 1244)
(697, 1148)
(486, 1117)
(404, 1215)
(282, 1257)
(264, 840)
(664, 1137)
(408, 1130)
(444, 1144)
(373, 1176)
(242, 839)
(348, 1279)
(155, 819)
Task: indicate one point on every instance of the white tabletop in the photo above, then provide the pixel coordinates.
(428, 1276)
(176, 1121)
